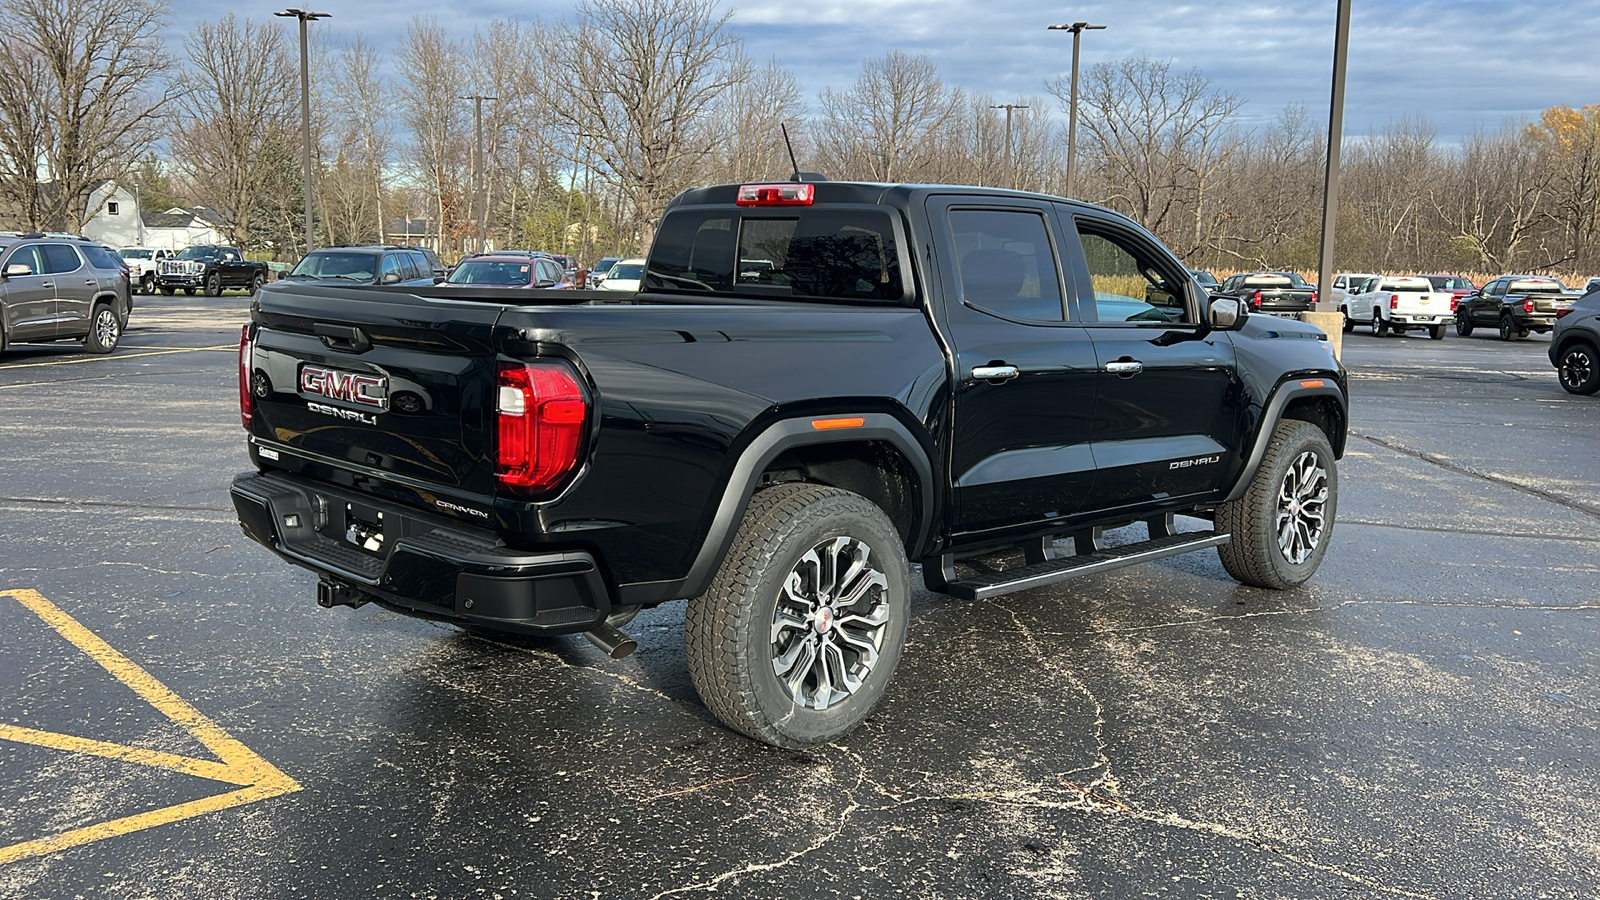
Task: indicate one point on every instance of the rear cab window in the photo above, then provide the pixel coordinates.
(825, 254)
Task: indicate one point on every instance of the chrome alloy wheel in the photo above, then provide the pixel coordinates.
(830, 622)
(1577, 367)
(1301, 500)
(106, 327)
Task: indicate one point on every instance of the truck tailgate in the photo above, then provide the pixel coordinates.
(378, 381)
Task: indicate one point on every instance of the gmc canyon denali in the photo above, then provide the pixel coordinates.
(948, 376)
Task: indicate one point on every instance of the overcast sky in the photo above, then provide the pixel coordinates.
(1462, 63)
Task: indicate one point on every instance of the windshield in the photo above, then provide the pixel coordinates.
(625, 271)
(197, 253)
(488, 271)
(349, 266)
(134, 254)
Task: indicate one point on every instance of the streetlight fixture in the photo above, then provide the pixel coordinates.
(305, 16)
(1011, 158)
(1077, 29)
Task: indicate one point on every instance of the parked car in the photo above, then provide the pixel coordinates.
(1205, 279)
(211, 268)
(1274, 293)
(597, 275)
(1458, 286)
(62, 288)
(1592, 285)
(512, 271)
(142, 264)
(624, 276)
(435, 264)
(1394, 303)
(1345, 286)
(1575, 344)
(386, 264)
(1515, 304)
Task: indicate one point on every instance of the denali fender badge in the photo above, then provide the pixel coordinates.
(446, 504)
(354, 415)
(1197, 461)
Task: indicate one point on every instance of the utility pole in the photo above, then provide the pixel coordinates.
(1011, 158)
(1330, 185)
(1077, 29)
(305, 16)
(480, 199)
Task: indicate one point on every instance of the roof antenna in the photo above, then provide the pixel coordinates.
(795, 167)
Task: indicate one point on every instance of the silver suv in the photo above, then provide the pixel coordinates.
(55, 288)
(1575, 345)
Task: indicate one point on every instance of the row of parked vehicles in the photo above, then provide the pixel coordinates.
(1514, 306)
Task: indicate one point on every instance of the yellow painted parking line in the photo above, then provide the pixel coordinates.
(113, 356)
(239, 765)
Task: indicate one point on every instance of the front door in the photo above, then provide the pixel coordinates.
(1170, 415)
(30, 299)
(1025, 371)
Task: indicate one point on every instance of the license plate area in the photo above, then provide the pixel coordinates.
(363, 528)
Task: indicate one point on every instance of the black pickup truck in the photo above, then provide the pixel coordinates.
(957, 377)
(210, 268)
(1274, 293)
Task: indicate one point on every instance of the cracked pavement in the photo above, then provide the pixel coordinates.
(1418, 721)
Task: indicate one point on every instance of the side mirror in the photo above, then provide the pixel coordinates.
(545, 283)
(390, 278)
(1227, 313)
(17, 269)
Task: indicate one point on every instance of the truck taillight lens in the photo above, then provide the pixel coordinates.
(1527, 306)
(1394, 301)
(246, 401)
(541, 412)
(1313, 296)
(1454, 303)
(1255, 300)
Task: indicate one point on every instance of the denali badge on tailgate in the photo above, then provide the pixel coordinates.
(351, 387)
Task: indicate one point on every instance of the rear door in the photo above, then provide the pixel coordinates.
(76, 287)
(378, 389)
(1024, 370)
(1169, 415)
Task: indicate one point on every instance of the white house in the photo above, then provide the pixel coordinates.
(116, 220)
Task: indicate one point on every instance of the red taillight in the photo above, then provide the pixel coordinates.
(1255, 300)
(1313, 296)
(780, 194)
(1454, 302)
(1527, 306)
(1394, 301)
(541, 411)
(1562, 313)
(246, 401)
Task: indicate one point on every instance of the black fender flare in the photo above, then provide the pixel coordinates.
(785, 435)
(1273, 414)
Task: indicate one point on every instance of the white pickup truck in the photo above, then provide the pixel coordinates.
(142, 264)
(1396, 303)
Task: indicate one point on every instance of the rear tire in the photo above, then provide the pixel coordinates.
(1463, 325)
(105, 329)
(1282, 523)
(796, 638)
(1577, 370)
(1379, 326)
(1436, 332)
(1509, 331)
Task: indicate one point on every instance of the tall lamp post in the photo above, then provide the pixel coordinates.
(1077, 29)
(480, 188)
(1330, 192)
(305, 16)
(1011, 158)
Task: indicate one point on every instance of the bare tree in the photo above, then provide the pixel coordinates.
(1491, 198)
(885, 126)
(79, 100)
(641, 74)
(359, 107)
(747, 125)
(234, 111)
(430, 107)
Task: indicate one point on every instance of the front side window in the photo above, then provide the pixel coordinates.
(1007, 264)
(27, 255)
(1131, 282)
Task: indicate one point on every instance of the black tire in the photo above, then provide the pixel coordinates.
(1509, 331)
(105, 329)
(1463, 324)
(1379, 326)
(1349, 326)
(256, 283)
(147, 284)
(214, 285)
(1436, 332)
(170, 291)
(1579, 368)
(1296, 474)
(739, 631)
(189, 292)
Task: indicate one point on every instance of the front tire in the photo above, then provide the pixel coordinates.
(256, 283)
(796, 639)
(147, 284)
(1349, 325)
(1577, 370)
(214, 285)
(1463, 324)
(1282, 523)
(105, 329)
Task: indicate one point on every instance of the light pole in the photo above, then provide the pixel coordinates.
(1011, 159)
(1330, 192)
(305, 104)
(1077, 29)
(480, 193)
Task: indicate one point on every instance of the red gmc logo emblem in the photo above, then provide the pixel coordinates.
(351, 387)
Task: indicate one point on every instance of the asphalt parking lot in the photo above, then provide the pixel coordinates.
(180, 720)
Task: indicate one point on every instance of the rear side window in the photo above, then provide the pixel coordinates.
(60, 258)
(1008, 266)
(102, 257)
(808, 254)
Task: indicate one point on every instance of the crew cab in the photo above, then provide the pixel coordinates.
(210, 268)
(1515, 305)
(1395, 303)
(977, 381)
(142, 264)
(1275, 293)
